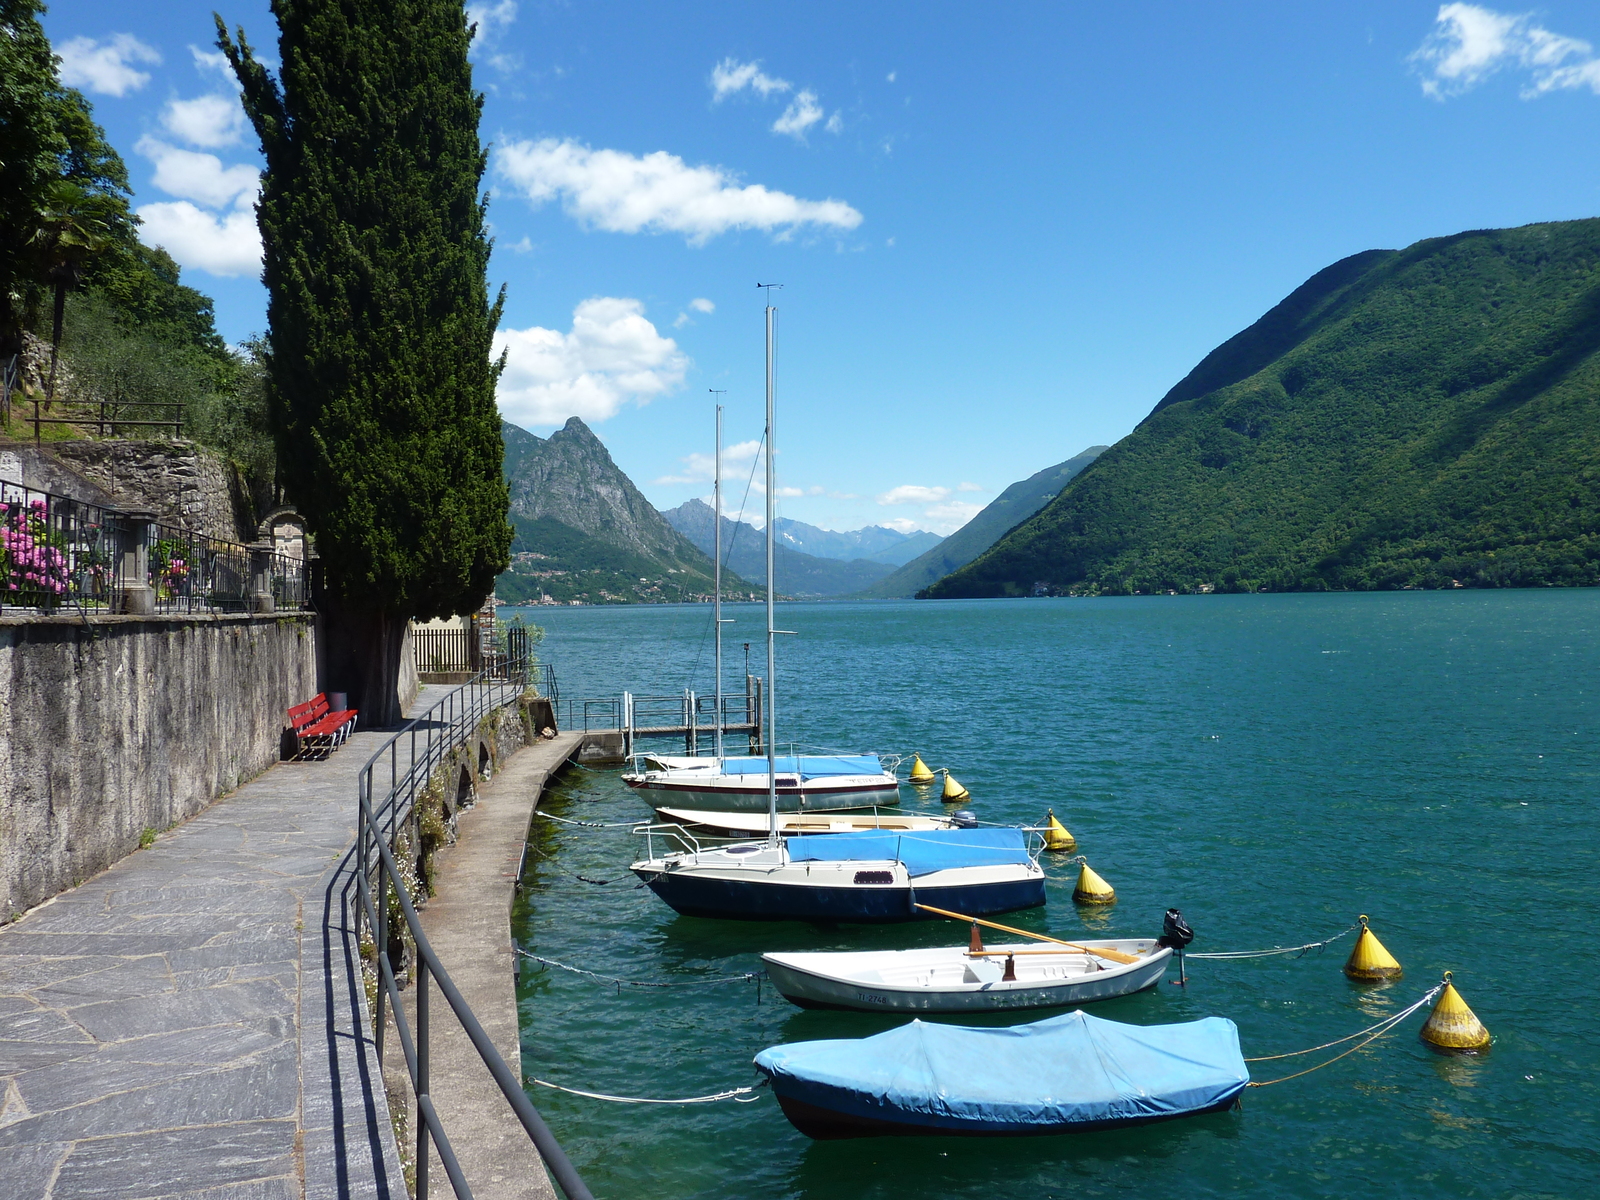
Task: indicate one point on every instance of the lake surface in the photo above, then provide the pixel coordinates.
(1273, 765)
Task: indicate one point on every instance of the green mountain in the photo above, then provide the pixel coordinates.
(1011, 507)
(584, 533)
(1427, 417)
(744, 549)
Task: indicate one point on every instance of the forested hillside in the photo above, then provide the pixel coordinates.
(1427, 417)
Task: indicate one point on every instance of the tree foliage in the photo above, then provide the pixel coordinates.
(378, 362)
(1420, 418)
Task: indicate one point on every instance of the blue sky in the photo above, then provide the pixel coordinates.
(1004, 230)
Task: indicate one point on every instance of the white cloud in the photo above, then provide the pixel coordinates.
(702, 305)
(492, 19)
(697, 468)
(612, 355)
(226, 245)
(910, 493)
(211, 60)
(803, 112)
(730, 76)
(951, 516)
(622, 193)
(835, 123)
(1470, 43)
(210, 122)
(891, 76)
(202, 177)
(790, 492)
(941, 514)
(106, 67)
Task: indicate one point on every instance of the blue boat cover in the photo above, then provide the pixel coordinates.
(808, 766)
(1070, 1070)
(924, 852)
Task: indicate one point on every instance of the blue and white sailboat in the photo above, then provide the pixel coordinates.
(870, 876)
(695, 790)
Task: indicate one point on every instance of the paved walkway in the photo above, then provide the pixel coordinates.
(189, 1023)
(468, 922)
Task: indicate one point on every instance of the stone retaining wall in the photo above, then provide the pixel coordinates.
(110, 726)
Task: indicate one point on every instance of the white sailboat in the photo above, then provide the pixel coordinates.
(876, 875)
(741, 786)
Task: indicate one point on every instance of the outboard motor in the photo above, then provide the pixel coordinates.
(965, 819)
(1175, 933)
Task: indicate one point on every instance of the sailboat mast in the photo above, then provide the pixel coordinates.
(716, 535)
(772, 663)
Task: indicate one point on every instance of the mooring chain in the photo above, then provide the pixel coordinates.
(1301, 950)
(1382, 1027)
(739, 1095)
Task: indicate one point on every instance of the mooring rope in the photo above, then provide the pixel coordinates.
(747, 977)
(1300, 950)
(1381, 1028)
(737, 1095)
(589, 824)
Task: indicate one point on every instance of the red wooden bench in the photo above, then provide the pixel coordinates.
(317, 730)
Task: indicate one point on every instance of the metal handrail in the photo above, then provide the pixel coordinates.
(446, 725)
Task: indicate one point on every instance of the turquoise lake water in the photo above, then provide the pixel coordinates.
(1272, 765)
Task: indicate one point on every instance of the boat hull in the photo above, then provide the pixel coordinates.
(829, 1124)
(735, 824)
(814, 989)
(752, 900)
(810, 797)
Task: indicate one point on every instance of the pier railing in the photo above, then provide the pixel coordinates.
(690, 716)
(388, 787)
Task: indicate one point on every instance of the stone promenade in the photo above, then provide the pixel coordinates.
(189, 1023)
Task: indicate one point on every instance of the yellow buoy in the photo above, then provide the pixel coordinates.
(953, 791)
(1452, 1025)
(1092, 889)
(1056, 836)
(920, 772)
(1369, 960)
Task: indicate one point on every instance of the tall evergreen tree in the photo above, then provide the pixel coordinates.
(379, 323)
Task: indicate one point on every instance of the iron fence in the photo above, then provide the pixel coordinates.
(481, 648)
(57, 552)
(386, 804)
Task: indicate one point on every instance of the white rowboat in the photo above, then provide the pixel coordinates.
(954, 979)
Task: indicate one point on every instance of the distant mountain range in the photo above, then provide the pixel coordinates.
(1013, 506)
(585, 533)
(875, 543)
(1418, 418)
(814, 576)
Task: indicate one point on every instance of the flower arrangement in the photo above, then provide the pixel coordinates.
(33, 562)
(169, 567)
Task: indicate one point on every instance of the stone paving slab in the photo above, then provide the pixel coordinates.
(191, 1022)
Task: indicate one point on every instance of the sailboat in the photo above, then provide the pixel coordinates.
(878, 875)
(697, 790)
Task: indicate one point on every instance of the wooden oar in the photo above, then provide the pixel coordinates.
(1113, 955)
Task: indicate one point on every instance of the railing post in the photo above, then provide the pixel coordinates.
(133, 561)
(422, 1076)
(261, 577)
(382, 958)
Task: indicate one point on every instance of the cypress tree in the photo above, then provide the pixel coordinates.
(379, 323)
